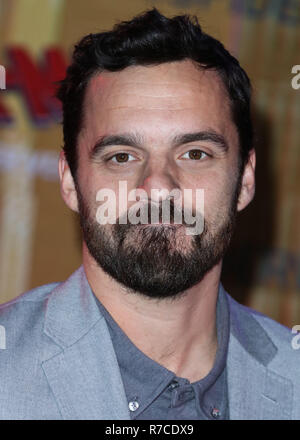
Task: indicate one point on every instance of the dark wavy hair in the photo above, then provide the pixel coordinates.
(151, 38)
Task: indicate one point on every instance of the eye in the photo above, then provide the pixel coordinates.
(194, 154)
(121, 158)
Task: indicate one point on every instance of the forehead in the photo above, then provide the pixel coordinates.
(166, 96)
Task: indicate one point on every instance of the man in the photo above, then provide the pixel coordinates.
(144, 329)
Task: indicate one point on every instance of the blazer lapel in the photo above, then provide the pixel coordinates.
(79, 359)
(255, 390)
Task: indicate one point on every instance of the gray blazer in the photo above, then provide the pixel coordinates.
(59, 361)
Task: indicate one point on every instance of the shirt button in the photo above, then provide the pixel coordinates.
(173, 385)
(215, 412)
(133, 406)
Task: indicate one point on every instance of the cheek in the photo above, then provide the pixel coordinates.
(217, 194)
(111, 195)
(93, 188)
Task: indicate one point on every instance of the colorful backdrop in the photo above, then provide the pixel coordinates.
(39, 236)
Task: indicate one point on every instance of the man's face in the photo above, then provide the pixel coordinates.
(153, 108)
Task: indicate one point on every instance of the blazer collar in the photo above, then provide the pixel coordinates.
(71, 310)
(78, 359)
(248, 331)
(255, 390)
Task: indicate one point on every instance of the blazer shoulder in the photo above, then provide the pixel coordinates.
(22, 322)
(28, 300)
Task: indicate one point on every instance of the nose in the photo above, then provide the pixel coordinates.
(158, 183)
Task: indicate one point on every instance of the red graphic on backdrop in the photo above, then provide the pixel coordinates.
(36, 82)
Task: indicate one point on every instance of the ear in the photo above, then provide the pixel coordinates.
(67, 185)
(248, 182)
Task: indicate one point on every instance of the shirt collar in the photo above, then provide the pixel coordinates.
(144, 379)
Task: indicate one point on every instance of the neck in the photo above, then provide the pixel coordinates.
(179, 334)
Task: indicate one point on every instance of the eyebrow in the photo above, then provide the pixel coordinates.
(131, 140)
(206, 135)
(136, 141)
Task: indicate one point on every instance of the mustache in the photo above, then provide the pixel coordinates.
(164, 212)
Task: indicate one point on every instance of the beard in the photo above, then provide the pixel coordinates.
(158, 261)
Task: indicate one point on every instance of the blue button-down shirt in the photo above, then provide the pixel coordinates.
(156, 393)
